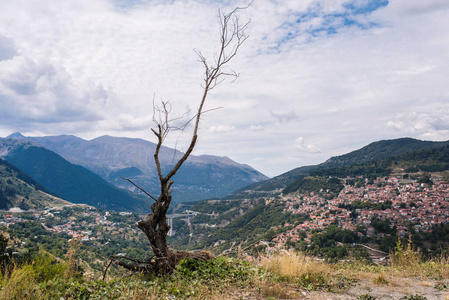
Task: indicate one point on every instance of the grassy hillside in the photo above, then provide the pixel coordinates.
(264, 220)
(284, 275)
(223, 223)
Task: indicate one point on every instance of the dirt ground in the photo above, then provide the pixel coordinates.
(393, 291)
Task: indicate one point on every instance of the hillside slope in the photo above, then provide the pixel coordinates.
(19, 190)
(71, 182)
(372, 152)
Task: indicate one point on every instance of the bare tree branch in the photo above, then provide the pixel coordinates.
(154, 225)
(182, 128)
(214, 73)
(127, 179)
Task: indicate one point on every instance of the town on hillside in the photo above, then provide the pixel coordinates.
(361, 206)
(401, 203)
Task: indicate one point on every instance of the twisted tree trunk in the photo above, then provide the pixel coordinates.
(156, 228)
(154, 225)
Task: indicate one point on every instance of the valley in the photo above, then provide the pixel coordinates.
(375, 212)
(344, 210)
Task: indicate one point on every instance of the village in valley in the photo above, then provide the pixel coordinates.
(401, 203)
(99, 233)
(57, 220)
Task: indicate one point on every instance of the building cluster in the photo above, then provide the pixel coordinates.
(405, 204)
(69, 225)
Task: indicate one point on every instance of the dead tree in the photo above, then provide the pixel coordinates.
(154, 225)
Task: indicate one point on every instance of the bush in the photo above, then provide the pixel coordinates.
(404, 255)
(366, 297)
(220, 268)
(46, 268)
(414, 297)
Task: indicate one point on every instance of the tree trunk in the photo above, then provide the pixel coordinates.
(155, 227)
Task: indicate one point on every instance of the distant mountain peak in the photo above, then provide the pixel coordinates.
(15, 135)
(10, 143)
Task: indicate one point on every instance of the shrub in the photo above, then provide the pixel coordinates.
(380, 279)
(220, 268)
(366, 297)
(18, 283)
(46, 268)
(404, 256)
(413, 297)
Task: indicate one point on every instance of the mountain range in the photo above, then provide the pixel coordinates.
(111, 158)
(90, 172)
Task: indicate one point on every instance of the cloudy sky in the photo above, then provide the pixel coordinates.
(318, 78)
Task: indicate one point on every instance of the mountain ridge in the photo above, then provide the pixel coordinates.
(373, 151)
(201, 177)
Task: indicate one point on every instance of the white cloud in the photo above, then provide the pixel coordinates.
(130, 122)
(7, 47)
(40, 92)
(256, 128)
(415, 7)
(302, 146)
(221, 128)
(284, 117)
(421, 123)
(339, 74)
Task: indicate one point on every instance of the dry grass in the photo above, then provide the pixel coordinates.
(297, 272)
(406, 271)
(285, 275)
(278, 291)
(405, 262)
(380, 279)
(17, 283)
(405, 257)
(295, 265)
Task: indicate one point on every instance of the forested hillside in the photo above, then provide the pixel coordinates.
(374, 159)
(19, 190)
(71, 182)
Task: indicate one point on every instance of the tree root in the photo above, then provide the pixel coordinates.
(156, 265)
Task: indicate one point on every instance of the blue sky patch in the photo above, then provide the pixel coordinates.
(331, 23)
(368, 7)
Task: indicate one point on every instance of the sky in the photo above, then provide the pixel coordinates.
(317, 78)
